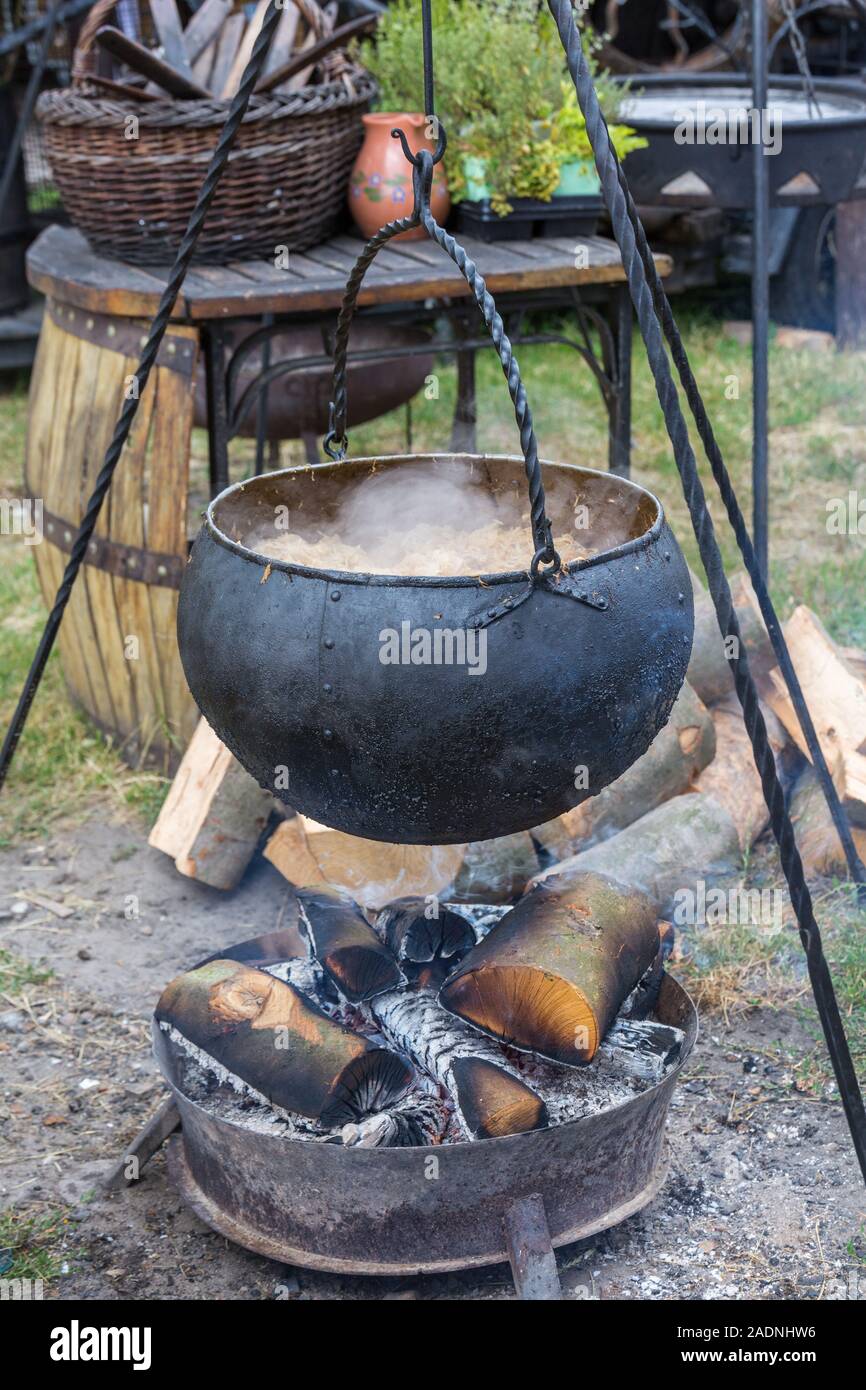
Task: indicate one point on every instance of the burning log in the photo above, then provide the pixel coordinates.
(416, 1121)
(489, 1096)
(274, 1039)
(345, 945)
(552, 975)
(676, 756)
(640, 1049)
(370, 871)
(419, 929)
(214, 814)
(689, 840)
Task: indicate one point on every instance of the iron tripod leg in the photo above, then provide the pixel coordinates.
(217, 407)
(145, 1145)
(619, 399)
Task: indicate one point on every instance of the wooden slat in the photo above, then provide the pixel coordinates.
(204, 27)
(166, 533)
(245, 48)
(86, 280)
(227, 47)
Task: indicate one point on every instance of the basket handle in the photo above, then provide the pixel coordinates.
(336, 442)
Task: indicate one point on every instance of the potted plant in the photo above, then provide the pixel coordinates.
(515, 135)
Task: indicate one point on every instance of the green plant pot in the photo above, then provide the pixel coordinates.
(475, 174)
(577, 177)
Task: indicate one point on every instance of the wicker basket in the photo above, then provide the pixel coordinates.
(285, 183)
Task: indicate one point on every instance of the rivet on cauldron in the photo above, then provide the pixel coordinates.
(681, 598)
(329, 642)
(667, 554)
(131, 562)
(327, 733)
(491, 612)
(335, 595)
(327, 687)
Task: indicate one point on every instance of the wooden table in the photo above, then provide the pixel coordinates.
(118, 642)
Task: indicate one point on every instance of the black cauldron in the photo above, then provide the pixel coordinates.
(581, 667)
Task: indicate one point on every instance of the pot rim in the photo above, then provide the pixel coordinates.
(425, 581)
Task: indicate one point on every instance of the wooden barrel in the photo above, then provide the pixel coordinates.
(117, 642)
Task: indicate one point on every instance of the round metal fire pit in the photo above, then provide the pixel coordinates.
(425, 1210)
(580, 670)
(819, 156)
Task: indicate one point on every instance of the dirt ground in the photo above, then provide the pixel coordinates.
(763, 1199)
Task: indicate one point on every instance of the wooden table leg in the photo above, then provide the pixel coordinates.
(463, 431)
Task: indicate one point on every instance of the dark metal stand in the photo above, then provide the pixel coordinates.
(602, 314)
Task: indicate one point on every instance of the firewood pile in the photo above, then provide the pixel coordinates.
(206, 57)
(374, 1038)
(435, 994)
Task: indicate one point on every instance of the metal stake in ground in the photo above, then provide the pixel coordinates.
(649, 320)
(219, 159)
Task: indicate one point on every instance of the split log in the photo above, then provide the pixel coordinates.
(676, 756)
(421, 929)
(490, 1098)
(643, 1050)
(418, 1120)
(817, 840)
(732, 778)
(345, 945)
(370, 871)
(836, 697)
(710, 671)
(214, 814)
(689, 840)
(274, 1039)
(552, 975)
(495, 871)
(267, 949)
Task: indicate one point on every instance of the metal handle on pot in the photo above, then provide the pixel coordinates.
(336, 442)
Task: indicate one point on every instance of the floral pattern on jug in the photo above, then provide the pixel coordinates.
(380, 185)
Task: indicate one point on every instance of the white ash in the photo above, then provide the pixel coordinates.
(570, 1093)
(233, 1098)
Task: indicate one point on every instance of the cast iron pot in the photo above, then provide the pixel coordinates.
(582, 668)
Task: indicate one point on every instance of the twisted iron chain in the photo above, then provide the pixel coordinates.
(612, 181)
(148, 357)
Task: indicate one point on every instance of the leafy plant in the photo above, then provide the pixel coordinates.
(501, 90)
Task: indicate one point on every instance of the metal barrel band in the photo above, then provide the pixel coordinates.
(336, 441)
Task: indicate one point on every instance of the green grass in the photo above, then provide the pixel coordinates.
(34, 1244)
(818, 451)
(16, 974)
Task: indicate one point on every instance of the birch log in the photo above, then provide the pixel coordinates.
(551, 976)
(641, 1049)
(490, 1098)
(416, 1121)
(278, 1042)
(345, 945)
